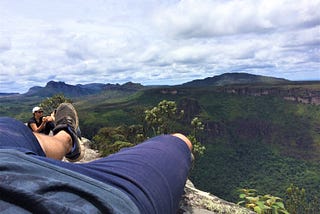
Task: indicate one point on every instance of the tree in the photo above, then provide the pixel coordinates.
(50, 104)
(110, 140)
(197, 128)
(296, 201)
(162, 117)
(135, 134)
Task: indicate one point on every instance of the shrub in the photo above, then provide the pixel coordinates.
(261, 204)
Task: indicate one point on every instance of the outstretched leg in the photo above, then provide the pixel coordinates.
(65, 141)
(56, 146)
(152, 174)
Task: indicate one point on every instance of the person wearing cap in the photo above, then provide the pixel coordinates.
(39, 123)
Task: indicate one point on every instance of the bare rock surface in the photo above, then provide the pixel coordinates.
(195, 201)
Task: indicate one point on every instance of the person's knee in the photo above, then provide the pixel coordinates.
(185, 139)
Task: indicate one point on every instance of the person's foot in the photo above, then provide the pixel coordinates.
(66, 119)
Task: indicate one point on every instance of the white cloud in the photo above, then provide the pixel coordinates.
(153, 41)
(209, 18)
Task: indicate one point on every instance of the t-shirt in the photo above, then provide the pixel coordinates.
(46, 130)
(30, 185)
(33, 120)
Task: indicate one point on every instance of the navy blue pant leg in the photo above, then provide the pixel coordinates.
(14, 134)
(153, 173)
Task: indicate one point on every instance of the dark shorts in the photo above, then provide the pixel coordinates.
(152, 174)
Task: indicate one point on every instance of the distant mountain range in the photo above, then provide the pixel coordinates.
(53, 87)
(236, 79)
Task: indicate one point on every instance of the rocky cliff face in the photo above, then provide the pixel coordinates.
(193, 201)
(79, 90)
(294, 93)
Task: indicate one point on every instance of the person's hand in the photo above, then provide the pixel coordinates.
(49, 118)
(52, 116)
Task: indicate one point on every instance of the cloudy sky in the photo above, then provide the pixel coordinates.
(155, 41)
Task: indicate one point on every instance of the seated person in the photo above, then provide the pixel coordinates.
(147, 178)
(40, 123)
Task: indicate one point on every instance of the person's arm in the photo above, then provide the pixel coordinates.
(38, 129)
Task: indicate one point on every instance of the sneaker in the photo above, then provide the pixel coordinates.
(66, 119)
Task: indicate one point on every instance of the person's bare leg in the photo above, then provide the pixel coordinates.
(56, 146)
